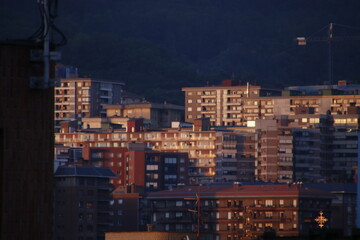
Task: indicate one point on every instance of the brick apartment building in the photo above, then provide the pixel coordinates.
(238, 212)
(136, 165)
(82, 202)
(224, 104)
(85, 97)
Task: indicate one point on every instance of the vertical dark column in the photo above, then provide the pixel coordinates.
(27, 123)
(2, 157)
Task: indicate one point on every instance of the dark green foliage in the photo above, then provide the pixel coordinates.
(159, 46)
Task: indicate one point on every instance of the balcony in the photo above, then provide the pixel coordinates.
(208, 104)
(234, 103)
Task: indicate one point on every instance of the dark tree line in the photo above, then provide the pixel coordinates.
(159, 46)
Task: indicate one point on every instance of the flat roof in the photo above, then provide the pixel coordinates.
(242, 191)
(84, 171)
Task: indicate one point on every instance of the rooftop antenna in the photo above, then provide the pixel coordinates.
(48, 12)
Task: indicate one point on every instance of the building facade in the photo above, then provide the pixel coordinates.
(235, 105)
(76, 98)
(82, 202)
(238, 212)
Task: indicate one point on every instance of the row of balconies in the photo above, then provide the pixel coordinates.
(271, 207)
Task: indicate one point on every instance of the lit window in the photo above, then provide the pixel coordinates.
(268, 203)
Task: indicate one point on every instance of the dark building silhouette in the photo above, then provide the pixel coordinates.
(82, 202)
(26, 146)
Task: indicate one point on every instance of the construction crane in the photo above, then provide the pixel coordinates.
(329, 38)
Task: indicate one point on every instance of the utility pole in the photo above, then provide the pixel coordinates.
(197, 212)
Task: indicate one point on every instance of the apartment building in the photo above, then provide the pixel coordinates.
(109, 157)
(238, 211)
(235, 156)
(198, 142)
(145, 169)
(125, 210)
(225, 105)
(307, 147)
(274, 153)
(82, 202)
(66, 155)
(76, 98)
(235, 105)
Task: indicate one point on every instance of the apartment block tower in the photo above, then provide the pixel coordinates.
(26, 144)
(307, 147)
(76, 98)
(225, 105)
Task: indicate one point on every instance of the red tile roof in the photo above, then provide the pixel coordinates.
(221, 191)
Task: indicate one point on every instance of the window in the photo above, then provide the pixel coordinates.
(89, 205)
(268, 214)
(152, 167)
(268, 225)
(120, 201)
(281, 202)
(179, 203)
(189, 109)
(170, 160)
(229, 227)
(189, 100)
(167, 215)
(268, 203)
(281, 226)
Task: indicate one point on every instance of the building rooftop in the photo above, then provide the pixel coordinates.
(144, 104)
(238, 190)
(84, 171)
